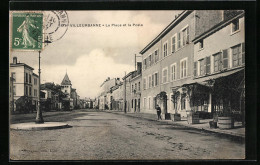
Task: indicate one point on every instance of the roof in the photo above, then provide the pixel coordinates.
(21, 64)
(66, 80)
(167, 29)
(129, 74)
(35, 75)
(217, 27)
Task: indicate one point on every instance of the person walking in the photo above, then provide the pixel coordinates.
(158, 109)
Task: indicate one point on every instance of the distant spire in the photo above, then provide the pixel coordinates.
(66, 80)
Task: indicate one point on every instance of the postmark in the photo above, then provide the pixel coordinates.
(27, 31)
(55, 25)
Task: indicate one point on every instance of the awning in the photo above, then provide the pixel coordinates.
(216, 76)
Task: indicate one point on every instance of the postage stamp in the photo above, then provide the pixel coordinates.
(27, 31)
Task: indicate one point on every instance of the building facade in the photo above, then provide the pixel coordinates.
(168, 60)
(219, 60)
(66, 88)
(136, 88)
(117, 95)
(105, 97)
(25, 86)
(127, 91)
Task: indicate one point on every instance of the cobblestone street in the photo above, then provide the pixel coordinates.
(97, 135)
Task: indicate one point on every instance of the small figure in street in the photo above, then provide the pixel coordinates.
(158, 109)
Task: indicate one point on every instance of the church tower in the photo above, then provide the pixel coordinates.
(66, 85)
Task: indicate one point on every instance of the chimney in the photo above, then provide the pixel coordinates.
(14, 60)
(139, 67)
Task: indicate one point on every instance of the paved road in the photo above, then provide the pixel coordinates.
(106, 136)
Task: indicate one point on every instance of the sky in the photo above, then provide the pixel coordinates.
(91, 54)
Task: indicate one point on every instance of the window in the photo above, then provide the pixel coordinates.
(65, 91)
(235, 25)
(149, 60)
(165, 48)
(132, 88)
(13, 75)
(35, 81)
(238, 56)
(152, 60)
(173, 72)
(150, 81)
(144, 83)
(185, 36)
(139, 85)
(217, 62)
(30, 78)
(202, 67)
(243, 53)
(132, 103)
(153, 80)
(26, 77)
(145, 66)
(183, 68)
(30, 91)
(14, 90)
(26, 90)
(149, 103)
(35, 92)
(208, 65)
(135, 86)
(173, 44)
(225, 58)
(156, 79)
(164, 75)
(201, 44)
(179, 41)
(195, 69)
(156, 55)
(144, 103)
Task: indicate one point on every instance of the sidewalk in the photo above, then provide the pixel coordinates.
(238, 131)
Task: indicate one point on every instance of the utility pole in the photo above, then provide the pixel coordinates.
(39, 118)
(125, 95)
(135, 62)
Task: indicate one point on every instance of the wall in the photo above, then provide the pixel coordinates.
(206, 19)
(184, 52)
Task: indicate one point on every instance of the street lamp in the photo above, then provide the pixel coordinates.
(39, 118)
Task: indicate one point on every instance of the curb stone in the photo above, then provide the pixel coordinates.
(176, 123)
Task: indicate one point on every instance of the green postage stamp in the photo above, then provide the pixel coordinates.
(27, 31)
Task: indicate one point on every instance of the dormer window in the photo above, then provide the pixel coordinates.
(235, 25)
(201, 44)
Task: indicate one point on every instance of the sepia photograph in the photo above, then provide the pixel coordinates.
(127, 85)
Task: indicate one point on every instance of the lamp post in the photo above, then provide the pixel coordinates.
(39, 118)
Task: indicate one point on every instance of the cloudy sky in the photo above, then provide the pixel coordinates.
(91, 54)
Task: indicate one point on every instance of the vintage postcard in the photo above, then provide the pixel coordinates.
(127, 84)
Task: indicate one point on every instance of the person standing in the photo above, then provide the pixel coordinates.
(158, 109)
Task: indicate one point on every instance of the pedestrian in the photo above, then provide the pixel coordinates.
(158, 109)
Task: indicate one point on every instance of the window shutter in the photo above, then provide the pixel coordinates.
(243, 53)
(208, 65)
(220, 61)
(225, 58)
(188, 36)
(195, 69)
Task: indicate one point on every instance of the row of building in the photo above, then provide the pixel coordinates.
(24, 91)
(196, 63)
